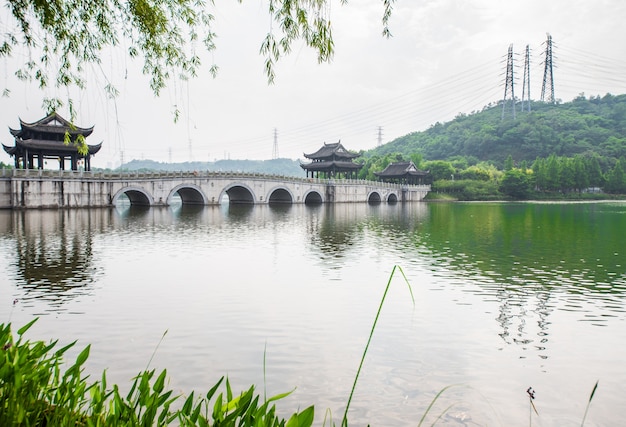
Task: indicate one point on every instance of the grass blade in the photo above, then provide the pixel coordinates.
(344, 421)
(595, 387)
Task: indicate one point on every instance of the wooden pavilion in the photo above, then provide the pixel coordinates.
(331, 161)
(402, 173)
(45, 139)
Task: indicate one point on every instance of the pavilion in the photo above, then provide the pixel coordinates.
(332, 161)
(402, 173)
(45, 139)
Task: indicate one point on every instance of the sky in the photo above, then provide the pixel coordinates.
(445, 57)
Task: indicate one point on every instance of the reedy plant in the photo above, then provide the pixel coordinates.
(35, 392)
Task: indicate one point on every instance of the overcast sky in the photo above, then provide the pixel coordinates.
(445, 57)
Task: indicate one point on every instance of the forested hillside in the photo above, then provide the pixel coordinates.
(585, 126)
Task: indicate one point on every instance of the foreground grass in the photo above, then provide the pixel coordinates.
(34, 392)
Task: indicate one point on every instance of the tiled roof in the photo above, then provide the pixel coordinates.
(331, 150)
(401, 169)
(52, 123)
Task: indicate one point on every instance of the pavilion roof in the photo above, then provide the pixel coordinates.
(52, 123)
(400, 169)
(338, 166)
(49, 147)
(332, 150)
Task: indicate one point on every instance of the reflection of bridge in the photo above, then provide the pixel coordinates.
(35, 188)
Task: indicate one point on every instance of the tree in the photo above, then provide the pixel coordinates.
(516, 184)
(440, 169)
(616, 181)
(508, 163)
(64, 36)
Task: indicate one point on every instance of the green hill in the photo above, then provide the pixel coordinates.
(584, 126)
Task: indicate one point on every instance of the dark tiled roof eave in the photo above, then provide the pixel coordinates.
(324, 166)
(43, 125)
(50, 147)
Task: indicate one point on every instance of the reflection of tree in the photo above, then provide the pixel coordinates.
(54, 260)
(525, 255)
(337, 228)
(331, 230)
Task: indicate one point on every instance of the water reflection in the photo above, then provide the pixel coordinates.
(53, 253)
(533, 259)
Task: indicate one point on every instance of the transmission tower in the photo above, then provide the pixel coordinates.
(380, 136)
(526, 83)
(508, 86)
(275, 149)
(548, 77)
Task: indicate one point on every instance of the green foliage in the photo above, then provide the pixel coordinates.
(440, 170)
(517, 184)
(468, 189)
(616, 180)
(34, 392)
(594, 126)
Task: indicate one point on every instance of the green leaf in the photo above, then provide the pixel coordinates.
(303, 419)
(82, 357)
(211, 392)
(26, 327)
(160, 382)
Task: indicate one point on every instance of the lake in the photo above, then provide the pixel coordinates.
(506, 296)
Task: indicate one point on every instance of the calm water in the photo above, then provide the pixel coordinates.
(507, 296)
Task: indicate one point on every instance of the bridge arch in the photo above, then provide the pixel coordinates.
(238, 193)
(190, 194)
(280, 195)
(392, 198)
(374, 197)
(313, 197)
(136, 195)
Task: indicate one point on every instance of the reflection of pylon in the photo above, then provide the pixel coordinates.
(509, 83)
(526, 83)
(548, 77)
(275, 149)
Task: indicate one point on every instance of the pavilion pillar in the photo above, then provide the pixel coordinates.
(62, 163)
(40, 160)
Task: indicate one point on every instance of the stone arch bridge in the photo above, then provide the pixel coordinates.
(36, 188)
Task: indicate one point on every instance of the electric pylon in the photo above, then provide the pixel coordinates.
(508, 86)
(526, 83)
(275, 149)
(548, 77)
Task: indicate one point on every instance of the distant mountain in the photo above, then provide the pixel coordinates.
(286, 167)
(596, 125)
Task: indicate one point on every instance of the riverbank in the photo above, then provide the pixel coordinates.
(434, 196)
